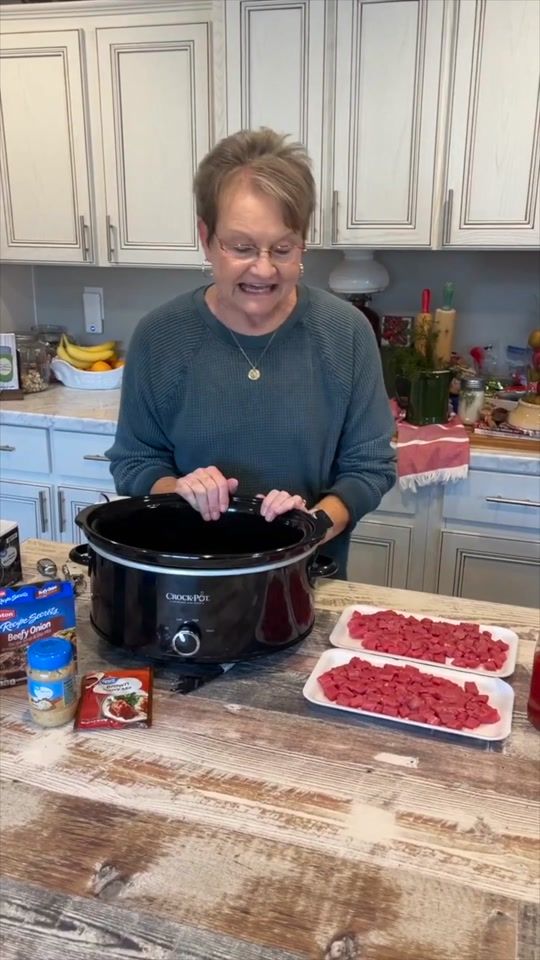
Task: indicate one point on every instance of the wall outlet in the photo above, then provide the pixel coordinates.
(93, 309)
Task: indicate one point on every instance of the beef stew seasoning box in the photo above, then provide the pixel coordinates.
(33, 611)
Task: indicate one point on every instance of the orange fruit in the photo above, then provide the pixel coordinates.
(100, 366)
(118, 363)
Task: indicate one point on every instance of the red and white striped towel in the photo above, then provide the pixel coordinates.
(438, 453)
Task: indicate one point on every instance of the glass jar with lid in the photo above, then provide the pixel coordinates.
(471, 399)
(50, 334)
(34, 359)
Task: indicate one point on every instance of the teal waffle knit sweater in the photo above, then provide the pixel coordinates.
(317, 421)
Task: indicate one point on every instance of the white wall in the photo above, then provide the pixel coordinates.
(497, 293)
(16, 298)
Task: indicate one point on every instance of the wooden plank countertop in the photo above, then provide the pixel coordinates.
(246, 824)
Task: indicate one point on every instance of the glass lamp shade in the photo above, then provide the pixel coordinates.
(358, 273)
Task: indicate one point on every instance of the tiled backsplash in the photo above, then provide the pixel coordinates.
(497, 293)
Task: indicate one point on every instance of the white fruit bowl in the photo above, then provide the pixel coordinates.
(86, 379)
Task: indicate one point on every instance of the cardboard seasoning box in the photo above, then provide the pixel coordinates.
(33, 611)
(10, 554)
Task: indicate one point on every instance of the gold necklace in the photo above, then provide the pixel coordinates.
(254, 372)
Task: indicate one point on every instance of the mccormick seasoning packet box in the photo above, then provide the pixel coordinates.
(33, 611)
(116, 699)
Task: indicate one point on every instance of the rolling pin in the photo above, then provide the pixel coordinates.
(422, 326)
(444, 326)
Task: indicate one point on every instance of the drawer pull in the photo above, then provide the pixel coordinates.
(7, 448)
(61, 512)
(97, 456)
(335, 204)
(110, 239)
(447, 217)
(514, 503)
(43, 511)
(84, 238)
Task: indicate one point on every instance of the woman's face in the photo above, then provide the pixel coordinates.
(261, 287)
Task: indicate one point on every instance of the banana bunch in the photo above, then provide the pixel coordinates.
(84, 358)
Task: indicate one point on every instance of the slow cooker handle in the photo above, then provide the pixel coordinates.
(322, 524)
(321, 566)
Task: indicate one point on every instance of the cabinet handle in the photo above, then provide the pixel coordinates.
(61, 512)
(6, 448)
(96, 456)
(447, 219)
(84, 238)
(335, 204)
(110, 239)
(43, 511)
(515, 503)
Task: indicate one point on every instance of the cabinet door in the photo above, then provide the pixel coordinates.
(29, 505)
(494, 146)
(70, 500)
(155, 121)
(43, 142)
(386, 102)
(275, 74)
(489, 568)
(379, 554)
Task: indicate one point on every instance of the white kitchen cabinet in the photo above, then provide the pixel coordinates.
(46, 212)
(275, 74)
(388, 545)
(379, 554)
(494, 126)
(386, 99)
(155, 115)
(30, 506)
(70, 500)
(503, 570)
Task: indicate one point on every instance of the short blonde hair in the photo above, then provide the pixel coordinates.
(273, 166)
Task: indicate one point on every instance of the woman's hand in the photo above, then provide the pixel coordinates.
(279, 501)
(207, 490)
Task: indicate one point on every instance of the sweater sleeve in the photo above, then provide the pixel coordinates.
(141, 452)
(364, 468)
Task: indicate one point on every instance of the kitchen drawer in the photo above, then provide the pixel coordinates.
(498, 499)
(24, 448)
(82, 455)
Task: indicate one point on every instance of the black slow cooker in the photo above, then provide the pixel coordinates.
(169, 585)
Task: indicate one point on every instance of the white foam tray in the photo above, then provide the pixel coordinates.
(340, 637)
(501, 694)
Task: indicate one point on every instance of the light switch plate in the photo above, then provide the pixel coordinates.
(93, 309)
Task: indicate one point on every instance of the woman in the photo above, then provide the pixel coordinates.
(256, 383)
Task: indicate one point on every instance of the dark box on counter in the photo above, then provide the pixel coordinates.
(33, 611)
(10, 553)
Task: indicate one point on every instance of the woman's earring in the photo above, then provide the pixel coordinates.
(301, 270)
(207, 268)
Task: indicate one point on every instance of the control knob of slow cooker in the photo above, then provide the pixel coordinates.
(186, 641)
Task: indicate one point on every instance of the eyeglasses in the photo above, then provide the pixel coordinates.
(250, 252)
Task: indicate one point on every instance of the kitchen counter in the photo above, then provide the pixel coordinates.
(248, 825)
(97, 411)
(65, 409)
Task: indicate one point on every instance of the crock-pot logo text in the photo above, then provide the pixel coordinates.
(188, 597)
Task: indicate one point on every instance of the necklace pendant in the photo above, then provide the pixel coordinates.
(254, 374)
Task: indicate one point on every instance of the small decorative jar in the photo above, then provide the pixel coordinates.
(51, 681)
(471, 400)
(34, 363)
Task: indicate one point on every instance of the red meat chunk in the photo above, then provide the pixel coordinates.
(408, 693)
(464, 644)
